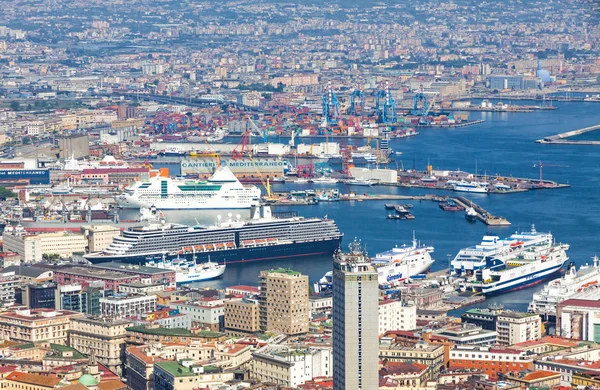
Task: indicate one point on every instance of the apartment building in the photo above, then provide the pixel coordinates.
(242, 315)
(396, 315)
(490, 360)
(283, 301)
(31, 247)
(102, 337)
(431, 355)
(515, 327)
(122, 306)
(37, 325)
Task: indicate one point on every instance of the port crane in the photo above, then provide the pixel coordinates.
(359, 95)
(541, 165)
(385, 105)
(245, 140)
(330, 107)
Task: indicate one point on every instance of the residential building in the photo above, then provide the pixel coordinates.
(579, 319)
(423, 298)
(355, 321)
(149, 334)
(31, 274)
(142, 288)
(535, 379)
(490, 360)
(18, 380)
(404, 375)
(37, 325)
(8, 282)
(429, 354)
(31, 247)
(468, 334)
(516, 327)
(185, 374)
(99, 236)
(242, 290)
(569, 363)
(320, 304)
(8, 259)
(546, 345)
(104, 338)
(122, 306)
(242, 315)
(206, 314)
(283, 301)
(290, 367)
(485, 318)
(396, 315)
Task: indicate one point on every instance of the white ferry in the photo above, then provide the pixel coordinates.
(573, 282)
(531, 266)
(188, 271)
(470, 260)
(464, 186)
(402, 262)
(222, 191)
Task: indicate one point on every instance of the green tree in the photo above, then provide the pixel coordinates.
(26, 140)
(14, 105)
(6, 193)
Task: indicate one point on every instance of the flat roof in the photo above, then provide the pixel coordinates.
(173, 332)
(131, 268)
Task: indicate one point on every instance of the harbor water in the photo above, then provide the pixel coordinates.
(503, 145)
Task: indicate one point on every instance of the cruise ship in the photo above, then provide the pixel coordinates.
(573, 282)
(402, 262)
(263, 237)
(531, 266)
(474, 258)
(222, 191)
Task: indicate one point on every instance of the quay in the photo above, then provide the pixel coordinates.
(483, 215)
(562, 138)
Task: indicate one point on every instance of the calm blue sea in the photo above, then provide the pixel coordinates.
(503, 145)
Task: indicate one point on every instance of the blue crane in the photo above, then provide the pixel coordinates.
(331, 107)
(357, 94)
(420, 97)
(385, 105)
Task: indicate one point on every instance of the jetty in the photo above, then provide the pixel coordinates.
(482, 214)
(563, 138)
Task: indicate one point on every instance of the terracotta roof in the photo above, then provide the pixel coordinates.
(540, 375)
(5, 369)
(34, 379)
(561, 341)
(579, 302)
(112, 385)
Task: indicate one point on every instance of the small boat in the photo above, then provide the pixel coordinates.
(301, 180)
(278, 179)
(471, 215)
(189, 271)
(324, 180)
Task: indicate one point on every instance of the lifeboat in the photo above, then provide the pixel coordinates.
(518, 243)
(230, 245)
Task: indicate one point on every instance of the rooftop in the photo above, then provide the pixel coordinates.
(173, 332)
(34, 379)
(285, 271)
(130, 268)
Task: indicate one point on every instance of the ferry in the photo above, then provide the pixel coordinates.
(324, 180)
(531, 266)
(474, 258)
(222, 191)
(361, 182)
(173, 151)
(574, 282)
(188, 271)
(400, 263)
(263, 237)
(464, 186)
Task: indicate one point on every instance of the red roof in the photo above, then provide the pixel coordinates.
(579, 302)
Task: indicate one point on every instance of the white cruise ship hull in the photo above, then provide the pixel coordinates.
(185, 203)
(477, 190)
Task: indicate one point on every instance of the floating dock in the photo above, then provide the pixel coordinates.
(483, 215)
(563, 138)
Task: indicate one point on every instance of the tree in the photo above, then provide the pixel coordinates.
(14, 105)
(5, 193)
(26, 140)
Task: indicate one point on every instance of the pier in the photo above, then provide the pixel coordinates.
(562, 138)
(483, 215)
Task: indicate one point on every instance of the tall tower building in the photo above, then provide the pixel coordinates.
(355, 321)
(283, 302)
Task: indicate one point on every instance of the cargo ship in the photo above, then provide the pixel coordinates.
(222, 191)
(574, 282)
(263, 237)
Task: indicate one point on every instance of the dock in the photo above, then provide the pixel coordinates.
(483, 215)
(563, 138)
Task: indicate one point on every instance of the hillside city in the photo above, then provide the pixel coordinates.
(189, 106)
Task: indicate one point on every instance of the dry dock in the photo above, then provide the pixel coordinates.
(562, 138)
(483, 215)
